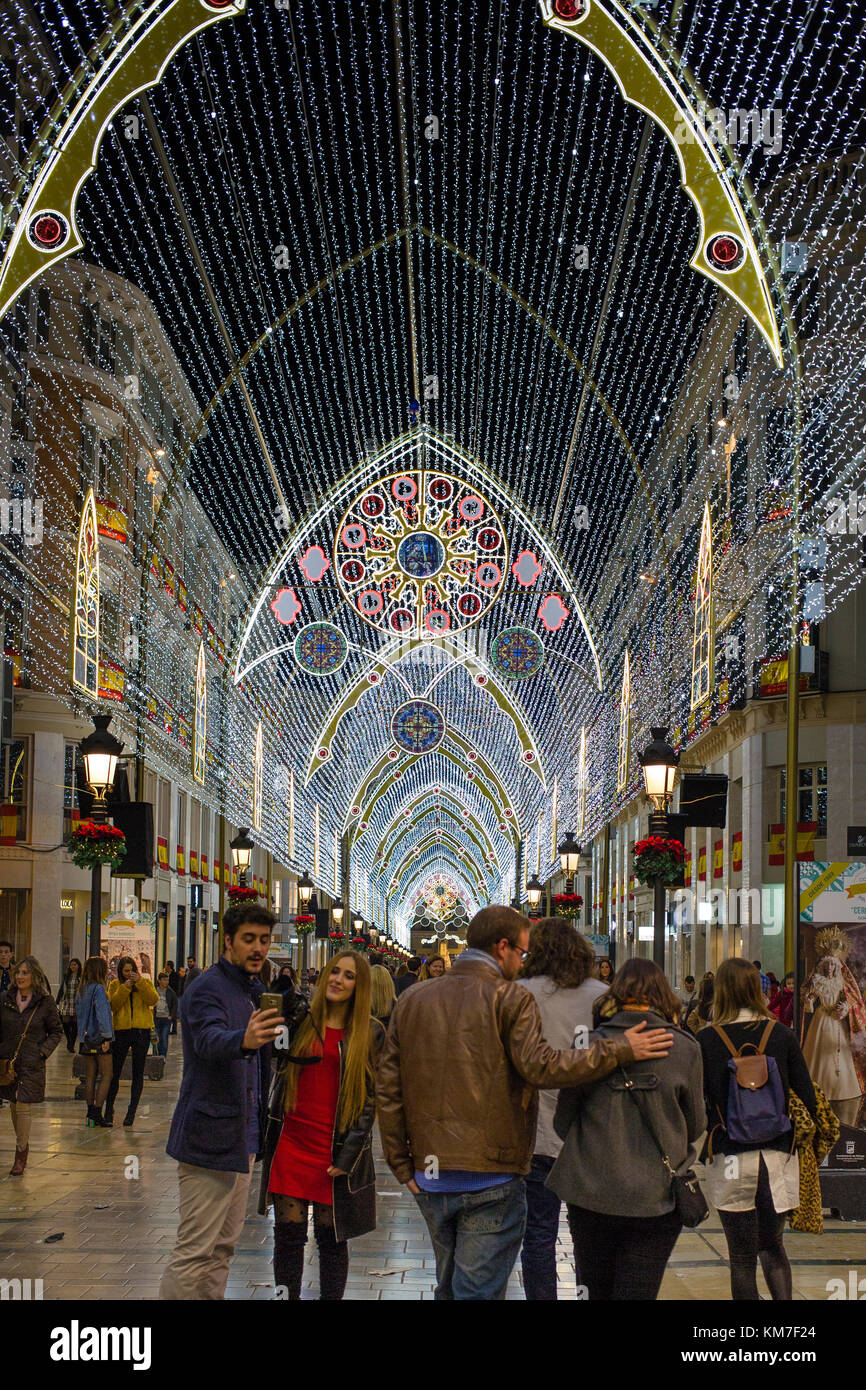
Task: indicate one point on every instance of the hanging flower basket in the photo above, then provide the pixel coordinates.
(91, 844)
(358, 941)
(568, 905)
(305, 923)
(656, 857)
(337, 935)
(243, 895)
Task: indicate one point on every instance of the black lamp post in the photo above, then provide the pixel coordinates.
(534, 891)
(337, 911)
(306, 888)
(659, 765)
(100, 752)
(569, 858)
(242, 853)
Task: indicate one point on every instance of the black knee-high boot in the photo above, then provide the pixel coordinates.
(333, 1265)
(290, 1237)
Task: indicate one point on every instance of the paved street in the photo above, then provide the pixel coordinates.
(112, 1193)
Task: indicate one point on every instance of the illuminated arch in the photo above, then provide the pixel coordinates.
(624, 727)
(650, 83)
(704, 642)
(85, 617)
(581, 785)
(470, 826)
(199, 733)
(432, 842)
(417, 808)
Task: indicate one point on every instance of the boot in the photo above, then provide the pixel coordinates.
(129, 1119)
(20, 1162)
(290, 1237)
(91, 1116)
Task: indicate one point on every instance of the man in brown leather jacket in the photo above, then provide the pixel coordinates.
(457, 1100)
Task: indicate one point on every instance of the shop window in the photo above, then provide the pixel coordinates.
(14, 782)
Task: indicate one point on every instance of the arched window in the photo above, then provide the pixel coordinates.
(199, 734)
(703, 647)
(624, 727)
(85, 638)
(257, 777)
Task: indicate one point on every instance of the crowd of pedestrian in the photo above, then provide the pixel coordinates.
(522, 1075)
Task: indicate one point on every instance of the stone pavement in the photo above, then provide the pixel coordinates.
(113, 1195)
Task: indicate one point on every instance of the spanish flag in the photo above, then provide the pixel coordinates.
(8, 825)
(806, 832)
(181, 863)
(204, 872)
(737, 853)
(193, 863)
(702, 864)
(718, 859)
(688, 871)
(162, 852)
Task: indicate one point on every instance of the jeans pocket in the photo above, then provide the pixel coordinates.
(489, 1211)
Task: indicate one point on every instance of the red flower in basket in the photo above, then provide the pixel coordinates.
(337, 935)
(91, 844)
(568, 904)
(243, 894)
(657, 857)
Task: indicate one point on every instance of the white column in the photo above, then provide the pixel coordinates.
(46, 831)
(754, 833)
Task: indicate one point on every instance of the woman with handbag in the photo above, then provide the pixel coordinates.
(753, 1168)
(625, 1166)
(30, 1029)
(96, 1030)
(318, 1140)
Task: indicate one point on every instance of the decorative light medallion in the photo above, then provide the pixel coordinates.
(418, 726)
(553, 612)
(517, 653)
(315, 563)
(526, 569)
(286, 606)
(420, 553)
(321, 649)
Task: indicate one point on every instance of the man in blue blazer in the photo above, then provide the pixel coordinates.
(216, 1131)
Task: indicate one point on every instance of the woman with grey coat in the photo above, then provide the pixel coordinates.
(621, 1211)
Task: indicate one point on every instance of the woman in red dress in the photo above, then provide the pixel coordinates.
(318, 1145)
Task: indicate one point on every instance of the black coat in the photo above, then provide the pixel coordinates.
(352, 1150)
(44, 1032)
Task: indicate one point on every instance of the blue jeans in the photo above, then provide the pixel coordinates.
(163, 1027)
(538, 1257)
(476, 1238)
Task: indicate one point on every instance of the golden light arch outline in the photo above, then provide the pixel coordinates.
(401, 824)
(442, 836)
(378, 671)
(480, 764)
(134, 63)
(648, 82)
(448, 843)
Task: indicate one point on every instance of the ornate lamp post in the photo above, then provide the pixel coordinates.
(534, 891)
(337, 911)
(306, 888)
(569, 858)
(242, 853)
(100, 752)
(659, 764)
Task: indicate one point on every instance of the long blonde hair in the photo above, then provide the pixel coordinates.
(38, 979)
(358, 1078)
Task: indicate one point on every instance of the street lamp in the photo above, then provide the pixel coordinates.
(100, 752)
(569, 857)
(357, 923)
(659, 765)
(306, 887)
(534, 891)
(242, 853)
(337, 911)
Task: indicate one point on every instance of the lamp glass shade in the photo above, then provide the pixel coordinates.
(357, 923)
(569, 855)
(242, 850)
(659, 764)
(305, 889)
(534, 890)
(337, 911)
(100, 752)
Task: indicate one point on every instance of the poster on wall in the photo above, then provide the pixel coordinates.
(832, 980)
(129, 934)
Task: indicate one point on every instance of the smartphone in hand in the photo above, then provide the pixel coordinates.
(271, 1001)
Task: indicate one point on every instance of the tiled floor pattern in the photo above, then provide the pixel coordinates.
(112, 1193)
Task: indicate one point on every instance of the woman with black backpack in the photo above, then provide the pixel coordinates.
(751, 1065)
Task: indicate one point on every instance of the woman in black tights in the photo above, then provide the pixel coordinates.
(753, 1186)
(318, 1142)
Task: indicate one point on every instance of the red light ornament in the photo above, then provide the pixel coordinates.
(725, 252)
